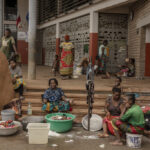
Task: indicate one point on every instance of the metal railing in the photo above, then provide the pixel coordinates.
(53, 8)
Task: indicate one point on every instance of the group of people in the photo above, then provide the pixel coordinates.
(8, 47)
(123, 115)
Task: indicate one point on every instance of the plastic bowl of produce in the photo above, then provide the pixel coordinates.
(5, 131)
(60, 122)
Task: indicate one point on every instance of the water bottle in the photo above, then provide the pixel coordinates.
(29, 109)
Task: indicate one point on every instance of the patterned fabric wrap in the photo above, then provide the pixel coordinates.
(66, 63)
(56, 106)
(108, 121)
(54, 100)
(103, 63)
(125, 127)
(19, 81)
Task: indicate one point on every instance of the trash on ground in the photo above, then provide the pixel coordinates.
(69, 141)
(102, 146)
(94, 137)
(54, 145)
(54, 134)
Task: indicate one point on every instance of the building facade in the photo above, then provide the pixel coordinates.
(124, 23)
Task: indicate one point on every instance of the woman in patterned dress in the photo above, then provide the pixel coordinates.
(8, 45)
(54, 99)
(67, 57)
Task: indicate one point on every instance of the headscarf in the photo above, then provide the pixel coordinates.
(66, 37)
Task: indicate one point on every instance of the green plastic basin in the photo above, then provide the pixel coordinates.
(60, 126)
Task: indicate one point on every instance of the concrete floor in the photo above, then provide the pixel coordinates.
(77, 139)
(44, 73)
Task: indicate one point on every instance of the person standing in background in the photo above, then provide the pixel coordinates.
(8, 45)
(103, 54)
(67, 58)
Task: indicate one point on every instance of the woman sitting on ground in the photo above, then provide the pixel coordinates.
(54, 98)
(113, 108)
(17, 79)
(131, 120)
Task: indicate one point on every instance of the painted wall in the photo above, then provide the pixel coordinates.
(136, 35)
(22, 44)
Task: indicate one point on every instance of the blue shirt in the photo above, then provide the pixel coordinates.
(53, 94)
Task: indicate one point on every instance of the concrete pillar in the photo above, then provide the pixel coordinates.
(147, 52)
(93, 35)
(32, 39)
(57, 38)
(1, 19)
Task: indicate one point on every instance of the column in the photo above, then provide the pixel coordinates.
(1, 19)
(93, 51)
(57, 37)
(32, 39)
(147, 52)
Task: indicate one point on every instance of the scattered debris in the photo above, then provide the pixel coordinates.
(102, 146)
(54, 145)
(94, 137)
(54, 134)
(69, 141)
(70, 136)
(79, 132)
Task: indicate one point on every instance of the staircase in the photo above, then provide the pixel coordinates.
(79, 108)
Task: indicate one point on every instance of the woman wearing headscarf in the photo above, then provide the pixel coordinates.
(67, 57)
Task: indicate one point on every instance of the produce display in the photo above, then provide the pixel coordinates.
(7, 124)
(58, 117)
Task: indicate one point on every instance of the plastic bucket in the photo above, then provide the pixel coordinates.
(60, 126)
(8, 114)
(38, 133)
(133, 140)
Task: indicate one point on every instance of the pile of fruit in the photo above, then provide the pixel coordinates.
(7, 124)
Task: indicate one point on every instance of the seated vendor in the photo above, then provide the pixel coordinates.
(54, 98)
(113, 108)
(128, 69)
(131, 120)
(17, 80)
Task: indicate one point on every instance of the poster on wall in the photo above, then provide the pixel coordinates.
(22, 36)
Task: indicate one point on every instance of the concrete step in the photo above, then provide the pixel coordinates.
(38, 110)
(98, 102)
(69, 95)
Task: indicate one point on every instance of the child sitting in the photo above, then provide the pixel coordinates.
(127, 70)
(55, 67)
(84, 65)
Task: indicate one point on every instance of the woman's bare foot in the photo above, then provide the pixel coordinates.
(116, 143)
(104, 135)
